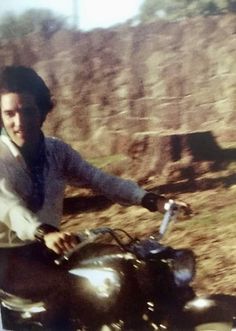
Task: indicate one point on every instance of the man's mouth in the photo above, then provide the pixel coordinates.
(20, 133)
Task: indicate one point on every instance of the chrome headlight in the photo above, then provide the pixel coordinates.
(183, 267)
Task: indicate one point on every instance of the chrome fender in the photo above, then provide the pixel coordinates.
(211, 313)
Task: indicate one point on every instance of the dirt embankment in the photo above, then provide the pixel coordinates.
(112, 85)
(159, 95)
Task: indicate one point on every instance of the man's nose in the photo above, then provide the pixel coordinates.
(18, 121)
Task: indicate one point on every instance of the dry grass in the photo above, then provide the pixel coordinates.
(210, 233)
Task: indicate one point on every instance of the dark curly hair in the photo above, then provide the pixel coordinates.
(21, 79)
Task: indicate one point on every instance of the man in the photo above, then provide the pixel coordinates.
(34, 169)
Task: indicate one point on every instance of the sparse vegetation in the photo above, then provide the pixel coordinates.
(210, 233)
(34, 20)
(152, 10)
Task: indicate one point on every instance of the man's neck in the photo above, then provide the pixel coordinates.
(29, 153)
(32, 152)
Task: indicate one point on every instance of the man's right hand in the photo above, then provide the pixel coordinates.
(60, 242)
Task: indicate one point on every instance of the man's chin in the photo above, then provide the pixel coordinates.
(19, 142)
(23, 140)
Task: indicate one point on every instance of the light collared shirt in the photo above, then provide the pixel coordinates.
(63, 166)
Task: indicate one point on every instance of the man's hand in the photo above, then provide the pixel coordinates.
(184, 210)
(60, 242)
(155, 202)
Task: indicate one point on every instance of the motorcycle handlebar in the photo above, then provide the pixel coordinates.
(91, 235)
(171, 211)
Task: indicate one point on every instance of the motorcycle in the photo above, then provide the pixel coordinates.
(130, 284)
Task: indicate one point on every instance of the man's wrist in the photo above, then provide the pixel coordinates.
(42, 230)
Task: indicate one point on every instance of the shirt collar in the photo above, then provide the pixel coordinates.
(15, 151)
(12, 147)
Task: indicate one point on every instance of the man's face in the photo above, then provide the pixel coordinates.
(21, 118)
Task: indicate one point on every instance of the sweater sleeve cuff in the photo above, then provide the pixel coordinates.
(153, 202)
(42, 230)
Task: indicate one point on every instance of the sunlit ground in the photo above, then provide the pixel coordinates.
(210, 233)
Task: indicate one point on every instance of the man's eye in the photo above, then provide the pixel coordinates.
(10, 113)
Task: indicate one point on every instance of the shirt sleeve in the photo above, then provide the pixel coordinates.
(77, 170)
(14, 214)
